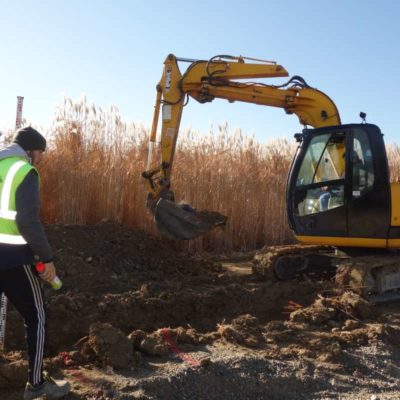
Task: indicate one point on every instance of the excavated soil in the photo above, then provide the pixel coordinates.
(137, 320)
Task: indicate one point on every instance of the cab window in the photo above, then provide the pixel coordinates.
(363, 169)
(323, 162)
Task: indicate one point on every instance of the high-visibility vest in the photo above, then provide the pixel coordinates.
(13, 171)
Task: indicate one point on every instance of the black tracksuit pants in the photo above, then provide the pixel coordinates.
(23, 289)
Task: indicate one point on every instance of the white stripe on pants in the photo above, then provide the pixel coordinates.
(40, 334)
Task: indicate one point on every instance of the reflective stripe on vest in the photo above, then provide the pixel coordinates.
(9, 232)
(5, 211)
(11, 239)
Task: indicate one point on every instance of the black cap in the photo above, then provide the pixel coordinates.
(29, 139)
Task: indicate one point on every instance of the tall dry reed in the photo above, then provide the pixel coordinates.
(393, 151)
(92, 173)
(239, 178)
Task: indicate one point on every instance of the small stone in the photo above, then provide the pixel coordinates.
(350, 324)
(205, 362)
(154, 345)
(333, 324)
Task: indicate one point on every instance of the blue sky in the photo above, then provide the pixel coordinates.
(113, 51)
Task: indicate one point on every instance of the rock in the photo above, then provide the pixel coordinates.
(136, 337)
(275, 326)
(318, 313)
(355, 305)
(13, 374)
(154, 345)
(351, 324)
(333, 324)
(111, 346)
(76, 357)
(244, 330)
(87, 353)
(206, 362)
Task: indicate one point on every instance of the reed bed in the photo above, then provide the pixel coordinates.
(92, 174)
(393, 151)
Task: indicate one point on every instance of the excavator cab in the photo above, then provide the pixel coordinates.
(338, 190)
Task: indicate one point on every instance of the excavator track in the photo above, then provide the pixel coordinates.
(292, 261)
(376, 276)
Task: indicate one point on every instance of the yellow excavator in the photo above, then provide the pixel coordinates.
(338, 191)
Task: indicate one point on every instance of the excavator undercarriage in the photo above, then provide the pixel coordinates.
(374, 274)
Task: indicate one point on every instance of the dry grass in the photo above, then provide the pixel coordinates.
(241, 179)
(92, 173)
(393, 151)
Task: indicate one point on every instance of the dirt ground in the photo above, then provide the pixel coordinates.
(137, 320)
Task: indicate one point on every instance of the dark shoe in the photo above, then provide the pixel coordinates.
(50, 388)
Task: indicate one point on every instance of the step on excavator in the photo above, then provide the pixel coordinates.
(339, 197)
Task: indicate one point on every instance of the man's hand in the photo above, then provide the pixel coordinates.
(49, 273)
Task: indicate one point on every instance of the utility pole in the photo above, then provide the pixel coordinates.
(18, 119)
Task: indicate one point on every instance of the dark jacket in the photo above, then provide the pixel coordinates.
(27, 204)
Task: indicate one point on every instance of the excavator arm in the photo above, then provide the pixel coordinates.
(204, 81)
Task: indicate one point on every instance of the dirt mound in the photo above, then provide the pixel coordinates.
(110, 345)
(13, 370)
(128, 296)
(244, 330)
(334, 308)
(133, 281)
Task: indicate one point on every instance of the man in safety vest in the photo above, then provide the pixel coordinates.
(22, 243)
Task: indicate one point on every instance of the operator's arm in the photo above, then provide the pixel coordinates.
(28, 217)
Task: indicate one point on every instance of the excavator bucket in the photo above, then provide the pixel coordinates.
(182, 222)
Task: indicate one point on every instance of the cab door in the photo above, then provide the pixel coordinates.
(369, 202)
(316, 195)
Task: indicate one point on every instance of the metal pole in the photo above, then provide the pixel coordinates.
(18, 119)
(3, 320)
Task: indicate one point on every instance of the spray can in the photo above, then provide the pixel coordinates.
(56, 283)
